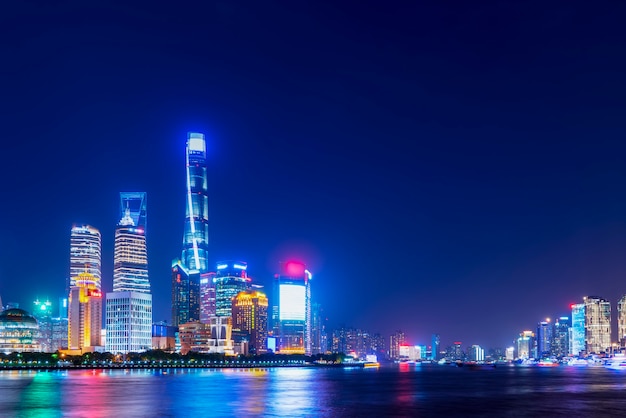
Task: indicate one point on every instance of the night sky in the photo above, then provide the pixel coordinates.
(441, 167)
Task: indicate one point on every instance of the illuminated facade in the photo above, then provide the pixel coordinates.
(85, 314)
(18, 331)
(597, 324)
(231, 278)
(85, 254)
(185, 294)
(621, 321)
(207, 296)
(544, 338)
(560, 338)
(291, 312)
(395, 341)
(577, 337)
(196, 235)
(188, 271)
(130, 265)
(128, 322)
(525, 345)
(249, 318)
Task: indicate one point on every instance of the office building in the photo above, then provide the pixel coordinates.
(476, 353)
(129, 306)
(85, 254)
(544, 338)
(577, 337)
(525, 345)
(435, 342)
(560, 337)
(185, 294)
(249, 319)
(291, 310)
(85, 314)
(597, 324)
(229, 281)
(207, 296)
(621, 321)
(395, 341)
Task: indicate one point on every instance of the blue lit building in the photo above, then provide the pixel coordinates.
(230, 279)
(544, 339)
(577, 340)
(560, 338)
(188, 271)
(196, 235)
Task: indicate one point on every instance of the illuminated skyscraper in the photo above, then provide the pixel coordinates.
(249, 317)
(187, 271)
(85, 254)
(85, 314)
(577, 339)
(544, 338)
(621, 321)
(597, 324)
(196, 235)
(207, 297)
(525, 345)
(129, 306)
(231, 278)
(291, 310)
(560, 337)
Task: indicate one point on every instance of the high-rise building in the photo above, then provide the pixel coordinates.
(187, 271)
(395, 341)
(185, 294)
(129, 306)
(196, 236)
(230, 279)
(544, 338)
(577, 339)
(525, 345)
(621, 321)
(85, 314)
(476, 353)
(597, 324)
(85, 254)
(291, 309)
(249, 318)
(435, 347)
(560, 337)
(42, 311)
(207, 296)
(318, 329)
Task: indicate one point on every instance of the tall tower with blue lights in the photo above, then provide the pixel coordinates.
(193, 263)
(196, 235)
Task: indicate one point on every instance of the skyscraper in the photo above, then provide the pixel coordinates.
(231, 278)
(207, 297)
(577, 340)
(291, 310)
(129, 306)
(196, 235)
(544, 338)
(85, 254)
(597, 324)
(85, 314)
(187, 271)
(249, 317)
(560, 337)
(621, 321)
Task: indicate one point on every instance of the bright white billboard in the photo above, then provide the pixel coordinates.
(292, 302)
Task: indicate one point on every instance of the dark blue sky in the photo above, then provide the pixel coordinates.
(445, 167)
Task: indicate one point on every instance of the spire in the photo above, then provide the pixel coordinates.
(127, 220)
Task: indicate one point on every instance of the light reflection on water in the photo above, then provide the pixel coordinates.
(434, 390)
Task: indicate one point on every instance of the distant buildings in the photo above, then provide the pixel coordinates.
(621, 321)
(291, 308)
(230, 280)
(577, 336)
(560, 337)
(544, 338)
(395, 341)
(525, 345)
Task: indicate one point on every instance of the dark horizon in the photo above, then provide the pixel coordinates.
(440, 168)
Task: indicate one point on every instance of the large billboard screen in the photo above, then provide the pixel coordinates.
(292, 302)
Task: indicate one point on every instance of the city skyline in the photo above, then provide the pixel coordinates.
(447, 160)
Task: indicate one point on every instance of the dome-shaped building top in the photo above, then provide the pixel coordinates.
(18, 331)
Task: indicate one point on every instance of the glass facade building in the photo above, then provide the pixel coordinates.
(230, 279)
(185, 294)
(130, 264)
(128, 322)
(249, 318)
(85, 254)
(196, 234)
(85, 314)
(560, 338)
(18, 331)
(597, 324)
(544, 339)
(577, 340)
